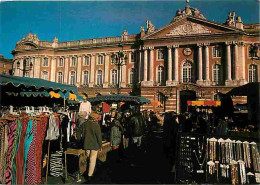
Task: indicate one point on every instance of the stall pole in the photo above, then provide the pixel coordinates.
(47, 163)
(64, 101)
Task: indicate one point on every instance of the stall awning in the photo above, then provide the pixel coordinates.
(119, 98)
(36, 83)
(204, 103)
(35, 94)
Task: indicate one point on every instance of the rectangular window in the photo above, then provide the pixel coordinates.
(160, 55)
(60, 77)
(86, 61)
(61, 62)
(73, 62)
(45, 62)
(99, 78)
(85, 78)
(45, 75)
(100, 60)
(26, 74)
(216, 52)
(132, 57)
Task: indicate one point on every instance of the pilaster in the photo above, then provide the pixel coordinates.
(92, 71)
(228, 62)
(66, 72)
(53, 68)
(200, 80)
(105, 85)
(79, 64)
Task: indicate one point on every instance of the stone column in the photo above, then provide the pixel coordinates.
(92, 71)
(151, 66)
(31, 71)
(200, 80)
(236, 61)
(66, 72)
(53, 68)
(169, 80)
(123, 76)
(228, 62)
(176, 64)
(145, 64)
(105, 85)
(207, 80)
(36, 67)
(79, 64)
(140, 66)
(243, 66)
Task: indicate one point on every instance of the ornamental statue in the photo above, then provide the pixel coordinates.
(150, 26)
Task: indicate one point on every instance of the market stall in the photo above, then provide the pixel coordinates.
(31, 128)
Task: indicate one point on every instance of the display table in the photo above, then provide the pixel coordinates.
(82, 161)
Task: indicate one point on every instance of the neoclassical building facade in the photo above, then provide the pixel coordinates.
(191, 54)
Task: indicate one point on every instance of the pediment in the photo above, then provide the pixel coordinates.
(25, 46)
(189, 27)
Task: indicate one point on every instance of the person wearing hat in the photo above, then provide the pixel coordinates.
(85, 106)
(90, 132)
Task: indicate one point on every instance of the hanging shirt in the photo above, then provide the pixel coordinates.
(85, 107)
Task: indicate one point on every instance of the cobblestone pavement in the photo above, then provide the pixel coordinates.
(146, 166)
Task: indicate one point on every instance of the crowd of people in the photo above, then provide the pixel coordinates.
(128, 129)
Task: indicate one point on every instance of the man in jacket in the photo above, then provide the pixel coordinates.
(137, 128)
(91, 133)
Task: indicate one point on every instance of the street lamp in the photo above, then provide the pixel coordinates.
(24, 66)
(119, 59)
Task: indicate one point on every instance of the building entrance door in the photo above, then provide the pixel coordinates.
(186, 95)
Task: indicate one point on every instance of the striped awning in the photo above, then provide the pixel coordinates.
(204, 103)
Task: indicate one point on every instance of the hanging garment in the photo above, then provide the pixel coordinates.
(20, 153)
(3, 151)
(17, 141)
(31, 164)
(41, 129)
(28, 141)
(11, 139)
(53, 130)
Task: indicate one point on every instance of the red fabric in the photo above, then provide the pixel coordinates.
(41, 129)
(20, 153)
(189, 102)
(105, 107)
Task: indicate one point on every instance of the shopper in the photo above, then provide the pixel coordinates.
(91, 134)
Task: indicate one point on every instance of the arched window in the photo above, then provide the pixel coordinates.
(72, 77)
(60, 77)
(99, 77)
(86, 62)
(100, 60)
(186, 72)
(114, 77)
(132, 72)
(85, 78)
(61, 62)
(252, 73)
(45, 62)
(160, 74)
(216, 73)
(73, 61)
(45, 75)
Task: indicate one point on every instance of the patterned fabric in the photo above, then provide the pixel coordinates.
(41, 129)
(28, 141)
(31, 172)
(2, 137)
(11, 133)
(17, 142)
(20, 153)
